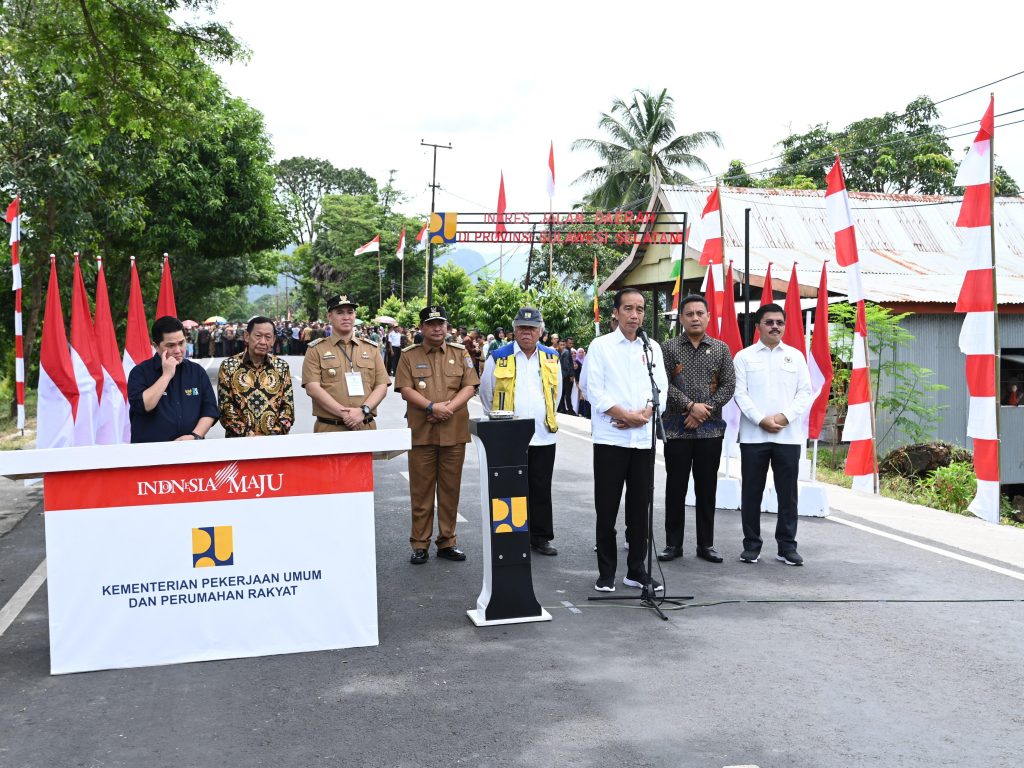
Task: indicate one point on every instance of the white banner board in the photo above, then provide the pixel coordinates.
(192, 562)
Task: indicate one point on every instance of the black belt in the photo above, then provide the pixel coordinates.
(334, 422)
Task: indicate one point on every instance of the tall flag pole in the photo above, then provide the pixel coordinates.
(597, 312)
(92, 424)
(14, 219)
(734, 340)
(979, 337)
(859, 430)
(115, 385)
(137, 346)
(820, 365)
(165, 304)
(401, 257)
(58, 390)
(499, 227)
(551, 206)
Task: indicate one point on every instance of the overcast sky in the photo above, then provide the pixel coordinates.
(362, 83)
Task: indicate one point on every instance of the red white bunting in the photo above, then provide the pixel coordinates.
(400, 255)
(859, 429)
(90, 422)
(978, 301)
(711, 297)
(732, 338)
(137, 347)
(114, 397)
(820, 361)
(861, 463)
(711, 228)
(793, 334)
(58, 392)
(14, 219)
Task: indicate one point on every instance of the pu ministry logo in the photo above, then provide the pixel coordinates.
(213, 546)
(508, 515)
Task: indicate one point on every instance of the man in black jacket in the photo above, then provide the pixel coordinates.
(565, 362)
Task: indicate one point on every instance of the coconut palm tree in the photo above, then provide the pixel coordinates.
(642, 143)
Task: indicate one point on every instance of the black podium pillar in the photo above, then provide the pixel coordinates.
(507, 594)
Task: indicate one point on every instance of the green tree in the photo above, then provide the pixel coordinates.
(454, 290)
(497, 303)
(302, 183)
(1005, 185)
(392, 307)
(409, 315)
(737, 175)
(566, 312)
(642, 145)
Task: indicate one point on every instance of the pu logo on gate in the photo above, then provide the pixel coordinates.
(213, 546)
(508, 515)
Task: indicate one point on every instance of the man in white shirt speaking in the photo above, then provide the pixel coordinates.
(619, 390)
(773, 391)
(523, 377)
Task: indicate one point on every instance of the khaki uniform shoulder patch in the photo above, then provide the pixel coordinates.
(314, 342)
(456, 345)
(411, 346)
(370, 341)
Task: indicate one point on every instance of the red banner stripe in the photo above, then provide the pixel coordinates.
(846, 247)
(976, 209)
(712, 251)
(209, 481)
(860, 386)
(861, 458)
(986, 459)
(976, 292)
(981, 375)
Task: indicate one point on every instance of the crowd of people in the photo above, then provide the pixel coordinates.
(626, 383)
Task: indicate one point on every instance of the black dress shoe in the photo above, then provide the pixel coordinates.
(451, 553)
(419, 556)
(670, 553)
(709, 554)
(543, 548)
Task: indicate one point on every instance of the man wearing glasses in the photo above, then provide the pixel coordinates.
(773, 391)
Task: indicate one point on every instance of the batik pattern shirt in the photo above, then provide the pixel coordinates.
(255, 400)
(701, 374)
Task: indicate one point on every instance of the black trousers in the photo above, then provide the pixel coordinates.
(614, 467)
(785, 464)
(565, 405)
(701, 456)
(392, 365)
(541, 459)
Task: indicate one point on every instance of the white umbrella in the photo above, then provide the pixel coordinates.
(385, 320)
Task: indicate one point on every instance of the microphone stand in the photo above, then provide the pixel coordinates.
(648, 597)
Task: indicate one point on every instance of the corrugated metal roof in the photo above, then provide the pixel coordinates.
(909, 244)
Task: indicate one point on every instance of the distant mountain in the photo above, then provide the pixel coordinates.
(477, 265)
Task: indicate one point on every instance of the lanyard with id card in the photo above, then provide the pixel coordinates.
(353, 379)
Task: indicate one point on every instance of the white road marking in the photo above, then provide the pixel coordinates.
(587, 438)
(20, 599)
(404, 474)
(929, 548)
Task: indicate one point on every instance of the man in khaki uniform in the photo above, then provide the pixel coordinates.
(436, 379)
(344, 375)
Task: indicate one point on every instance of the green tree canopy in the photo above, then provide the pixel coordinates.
(641, 144)
(302, 183)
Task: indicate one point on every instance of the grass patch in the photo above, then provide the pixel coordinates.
(11, 438)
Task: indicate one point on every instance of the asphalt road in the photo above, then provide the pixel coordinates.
(875, 653)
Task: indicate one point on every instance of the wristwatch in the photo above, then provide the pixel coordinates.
(198, 437)
(366, 413)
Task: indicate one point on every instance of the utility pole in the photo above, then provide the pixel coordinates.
(430, 246)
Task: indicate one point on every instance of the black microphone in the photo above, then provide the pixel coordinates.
(643, 336)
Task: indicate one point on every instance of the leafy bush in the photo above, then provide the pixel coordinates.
(950, 488)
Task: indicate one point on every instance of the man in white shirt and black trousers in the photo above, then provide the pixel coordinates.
(619, 390)
(773, 391)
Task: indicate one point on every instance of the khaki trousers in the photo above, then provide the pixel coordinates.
(435, 470)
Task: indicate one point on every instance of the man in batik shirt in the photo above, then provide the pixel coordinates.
(254, 388)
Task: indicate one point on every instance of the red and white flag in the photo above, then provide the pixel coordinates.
(793, 333)
(711, 297)
(837, 204)
(820, 361)
(499, 226)
(371, 247)
(767, 297)
(114, 398)
(978, 301)
(14, 219)
(711, 228)
(91, 423)
(137, 346)
(859, 429)
(734, 340)
(421, 237)
(551, 172)
(165, 304)
(58, 391)
(400, 255)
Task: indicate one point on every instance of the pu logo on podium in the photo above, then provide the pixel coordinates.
(213, 546)
(508, 515)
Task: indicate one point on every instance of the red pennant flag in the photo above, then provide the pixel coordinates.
(820, 362)
(713, 329)
(137, 347)
(499, 227)
(419, 237)
(165, 305)
(551, 171)
(793, 333)
(730, 324)
(86, 362)
(114, 399)
(58, 392)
